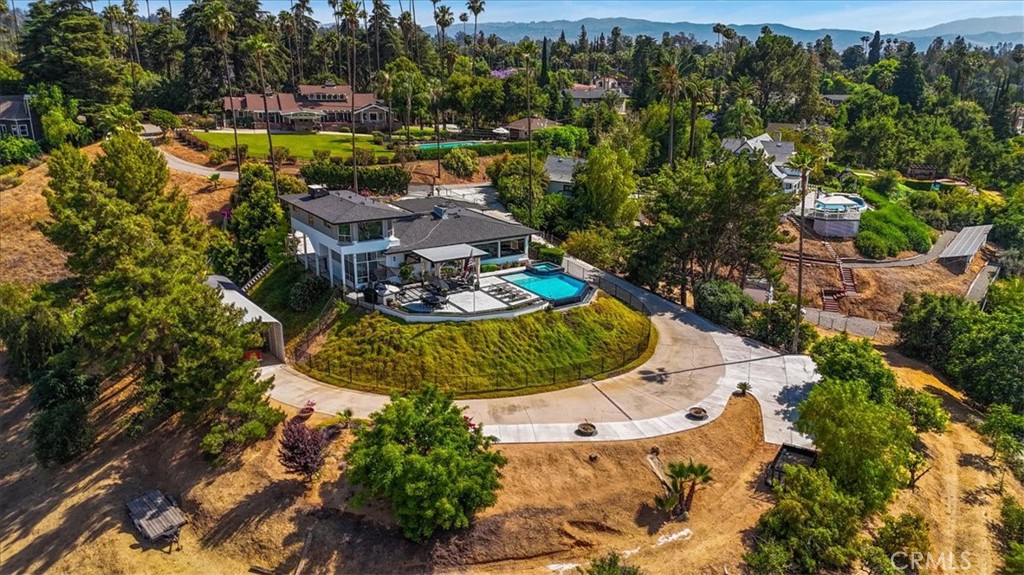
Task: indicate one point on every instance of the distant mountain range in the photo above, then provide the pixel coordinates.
(980, 31)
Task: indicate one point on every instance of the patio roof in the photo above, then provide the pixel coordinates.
(449, 253)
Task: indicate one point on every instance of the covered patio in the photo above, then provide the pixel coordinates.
(434, 259)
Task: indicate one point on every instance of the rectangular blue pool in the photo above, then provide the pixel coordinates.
(552, 287)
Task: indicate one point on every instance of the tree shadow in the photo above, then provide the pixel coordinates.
(975, 461)
(979, 495)
(257, 507)
(649, 517)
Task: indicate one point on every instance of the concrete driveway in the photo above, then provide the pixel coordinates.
(695, 364)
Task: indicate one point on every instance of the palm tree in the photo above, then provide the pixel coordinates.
(219, 21)
(336, 11)
(803, 161)
(527, 50)
(697, 473)
(303, 13)
(383, 85)
(698, 90)
(260, 49)
(444, 18)
(743, 88)
(476, 7)
(670, 84)
(350, 11)
(464, 18)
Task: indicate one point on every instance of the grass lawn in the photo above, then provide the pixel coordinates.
(273, 293)
(546, 349)
(299, 145)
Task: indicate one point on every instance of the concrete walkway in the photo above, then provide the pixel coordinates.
(177, 164)
(979, 287)
(932, 255)
(695, 364)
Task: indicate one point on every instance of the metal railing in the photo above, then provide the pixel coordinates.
(385, 377)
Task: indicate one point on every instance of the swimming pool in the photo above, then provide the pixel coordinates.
(446, 145)
(556, 287)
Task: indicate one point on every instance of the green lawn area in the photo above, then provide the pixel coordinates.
(273, 293)
(546, 349)
(299, 145)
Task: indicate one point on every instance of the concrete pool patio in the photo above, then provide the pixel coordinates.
(695, 364)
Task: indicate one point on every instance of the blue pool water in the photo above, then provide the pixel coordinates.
(550, 287)
(448, 145)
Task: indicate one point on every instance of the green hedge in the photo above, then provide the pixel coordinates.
(15, 150)
(891, 229)
(432, 152)
(553, 255)
(383, 181)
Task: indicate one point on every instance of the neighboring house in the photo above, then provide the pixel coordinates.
(777, 152)
(326, 106)
(560, 169)
(836, 99)
(521, 128)
(350, 239)
(18, 118)
(586, 94)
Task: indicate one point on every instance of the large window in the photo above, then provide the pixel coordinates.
(491, 249)
(358, 267)
(516, 247)
(371, 231)
(345, 233)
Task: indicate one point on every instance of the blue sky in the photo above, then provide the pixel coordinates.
(889, 16)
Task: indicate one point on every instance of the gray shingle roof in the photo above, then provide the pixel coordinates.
(463, 226)
(13, 108)
(535, 124)
(344, 207)
(426, 205)
(560, 168)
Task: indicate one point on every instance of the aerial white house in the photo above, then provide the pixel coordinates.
(778, 153)
(352, 240)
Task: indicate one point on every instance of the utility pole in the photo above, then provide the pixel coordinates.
(799, 317)
(529, 134)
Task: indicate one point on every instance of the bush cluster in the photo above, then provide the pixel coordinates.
(382, 181)
(461, 162)
(16, 150)
(889, 230)
(307, 292)
(432, 152)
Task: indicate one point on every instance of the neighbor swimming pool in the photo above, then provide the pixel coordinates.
(446, 145)
(555, 287)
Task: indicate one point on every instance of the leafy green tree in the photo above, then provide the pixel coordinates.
(841, 357)
(596, 246)
(33, 327)
(742, 120)
(64, 44)
(62, 432)
(57, 115)
(461, 162)
(930, 325)
(15, 150)
(119, 117)
(164, 120)
(902, 536)
(603, 187)
(432, 464)
(813, 525)
(925, 411)
(1006, 294)
(864, 445)
(986, 362)
(723, 303)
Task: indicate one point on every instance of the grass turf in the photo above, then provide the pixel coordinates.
(299, 145)
(548, 349)
(273, 293)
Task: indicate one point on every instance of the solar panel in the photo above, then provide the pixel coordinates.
(966, 243)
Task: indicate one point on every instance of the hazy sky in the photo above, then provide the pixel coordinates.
(889, 16)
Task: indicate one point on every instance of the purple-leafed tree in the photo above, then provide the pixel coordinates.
(302, 450)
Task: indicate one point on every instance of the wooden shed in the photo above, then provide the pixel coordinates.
(156, 516)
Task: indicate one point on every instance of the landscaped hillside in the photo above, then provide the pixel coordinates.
(538, 349)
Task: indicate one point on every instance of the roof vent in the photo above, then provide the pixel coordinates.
(329, 84)
(317, 191)
(440, 212)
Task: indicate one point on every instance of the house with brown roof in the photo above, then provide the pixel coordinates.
(18, 118)
(521, 128)
(314, 107)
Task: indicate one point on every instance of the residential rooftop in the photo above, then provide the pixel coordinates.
(343, 206)
(560, 168)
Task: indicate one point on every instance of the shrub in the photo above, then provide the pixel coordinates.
(551, 254)
(886, 183)
(243, 152)
(432, 152)
(363, 157)
(564, 139)
(405, 155)
(610, 564)
(596, 246)
(321, 156)
(281, 154)
(15, 150)
(926, 412)
(903, 536)
(217, 157)
(302, 450)
(384, 181)
(62, 385)
(461, 162)
(61, 433)
(306, 292)
(164, 120)
(433, 480)
(723, 303)
(487, 268)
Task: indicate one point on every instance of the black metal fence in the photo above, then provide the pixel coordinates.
(386, 377)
